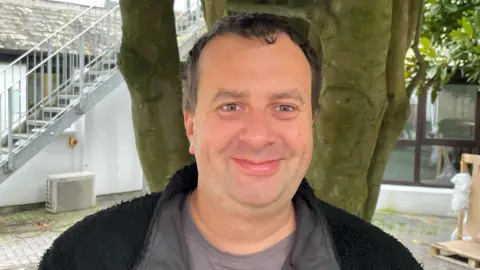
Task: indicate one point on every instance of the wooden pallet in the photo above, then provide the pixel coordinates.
(459, 252)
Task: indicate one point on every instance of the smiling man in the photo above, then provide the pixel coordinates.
(252, 93)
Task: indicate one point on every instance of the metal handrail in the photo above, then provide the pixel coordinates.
(57, 91)
(46, 39)
(75, 57)
(63, 47)
(64, 84)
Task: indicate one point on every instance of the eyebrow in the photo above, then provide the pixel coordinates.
(236, 94)
(289, 94)
(228, 93)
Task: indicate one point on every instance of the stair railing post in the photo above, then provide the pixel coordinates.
(2, 104)
(108, 32)
(197, 17)
(81, 54)
(49, 70)
(10, 128)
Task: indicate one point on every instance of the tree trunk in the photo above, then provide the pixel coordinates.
(353, 102)
(351, 169)
(150, 65)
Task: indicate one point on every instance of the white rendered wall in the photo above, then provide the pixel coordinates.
(105, 147)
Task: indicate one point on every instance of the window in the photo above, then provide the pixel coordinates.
(435, 136)
(401, 164)
(452, 116)
(439, 163)
(410, 128)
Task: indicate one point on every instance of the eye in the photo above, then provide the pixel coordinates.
(231, 107)
(285, 108)
(285, 111)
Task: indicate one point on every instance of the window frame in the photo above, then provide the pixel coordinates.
(421, 140)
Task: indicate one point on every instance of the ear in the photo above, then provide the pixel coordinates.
(188, 123)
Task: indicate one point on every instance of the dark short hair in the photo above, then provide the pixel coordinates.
(252, 26)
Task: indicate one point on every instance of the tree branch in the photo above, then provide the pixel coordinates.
(431, 82)
(415, 14)
(397, 106)
(422, 65)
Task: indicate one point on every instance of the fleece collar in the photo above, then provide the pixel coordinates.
(166, 248)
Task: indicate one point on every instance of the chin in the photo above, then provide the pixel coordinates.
(256, 201)
(257, 191)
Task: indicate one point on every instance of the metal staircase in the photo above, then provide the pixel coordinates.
(52, 85)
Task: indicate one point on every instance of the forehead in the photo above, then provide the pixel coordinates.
(235, 62)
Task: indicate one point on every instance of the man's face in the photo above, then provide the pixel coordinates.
(251, 132)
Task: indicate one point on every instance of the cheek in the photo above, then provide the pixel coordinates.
(297, 135)
(215, 135)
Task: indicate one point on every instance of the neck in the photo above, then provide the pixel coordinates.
(239, 230)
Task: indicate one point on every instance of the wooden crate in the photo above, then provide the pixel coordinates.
(460, 252)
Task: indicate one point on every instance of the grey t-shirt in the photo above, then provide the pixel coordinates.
(204, 256)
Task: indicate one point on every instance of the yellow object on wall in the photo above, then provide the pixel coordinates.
(72, 141)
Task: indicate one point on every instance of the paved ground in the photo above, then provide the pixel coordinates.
(417, 233)
(25, 236)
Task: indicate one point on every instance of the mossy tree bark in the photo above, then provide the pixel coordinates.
(150, 65)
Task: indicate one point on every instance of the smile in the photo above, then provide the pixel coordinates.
(258, 167)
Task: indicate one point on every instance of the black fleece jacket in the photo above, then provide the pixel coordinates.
(115, 238)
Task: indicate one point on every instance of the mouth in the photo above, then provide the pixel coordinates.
(258, 167)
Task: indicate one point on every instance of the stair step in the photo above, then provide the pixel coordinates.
(85, 84)
(109, 61)
(37, 130)
(98, 72)
(53, 109)
(36, 122)
(21, 136)
(4, 150)
(69, 97)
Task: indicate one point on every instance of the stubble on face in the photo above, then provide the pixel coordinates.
(252, 128)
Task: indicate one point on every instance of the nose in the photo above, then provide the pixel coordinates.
(257, 131)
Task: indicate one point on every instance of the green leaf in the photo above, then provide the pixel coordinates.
(432, 53)
(425, 42)
(467, 27)
(455, 34)
(450, 6)
(431, 72)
